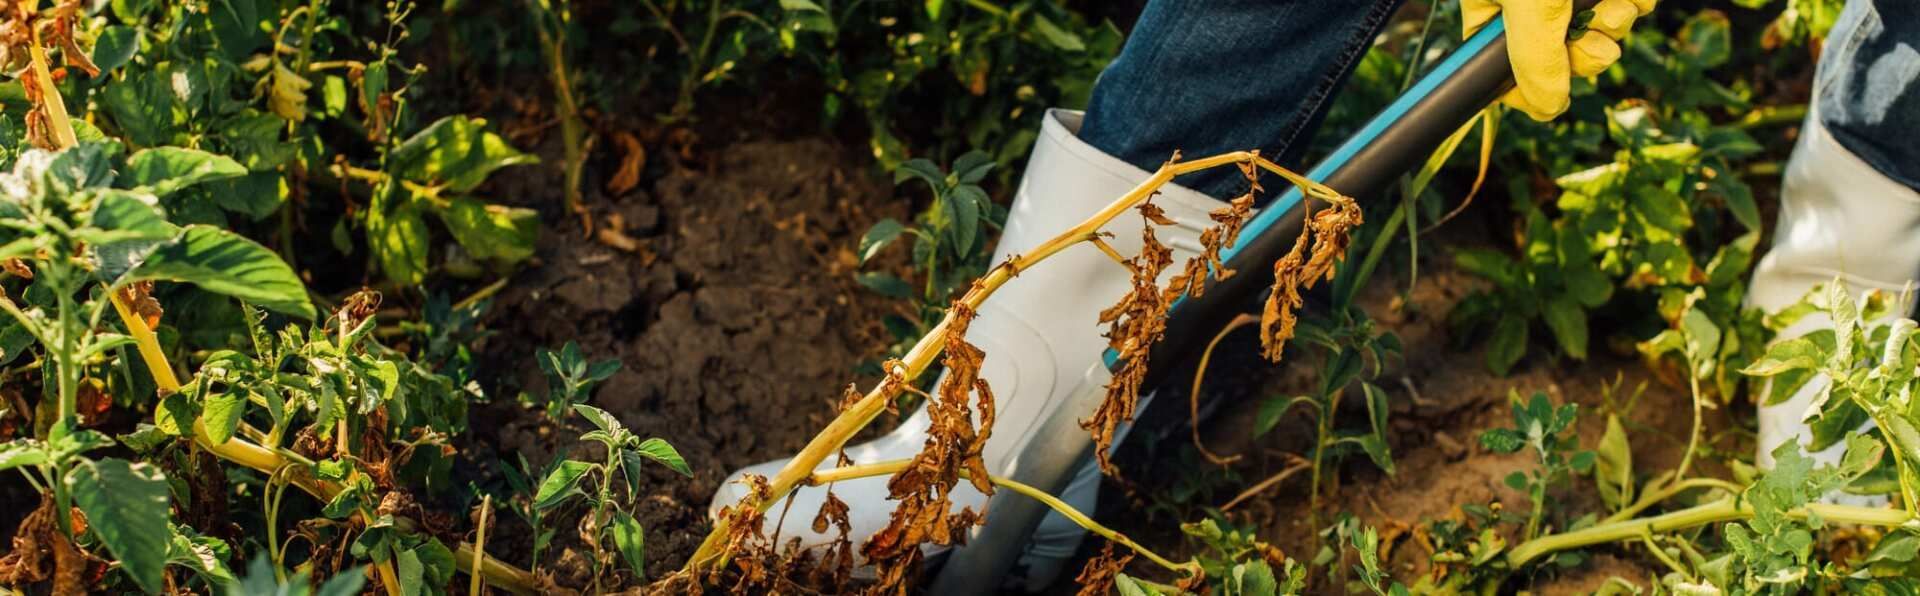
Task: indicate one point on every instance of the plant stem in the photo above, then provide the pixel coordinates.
(478, 580)
(1323, 437)
(1693, 438)
(1648, 499)
(851, 420)
(572, 130)
(1721, 510)
(893, 466)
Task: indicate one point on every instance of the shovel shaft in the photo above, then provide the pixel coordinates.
(1364, 166)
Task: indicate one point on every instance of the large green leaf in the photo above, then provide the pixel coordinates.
(143, 108)
(492, 231)
(1614, 470)
(223, 262)
(1569, 325)
(126, 227)
(115, 46)
(1508, 344)
(658, 450)
(163, 170)
(632, 540)
(458, 151)
(222, 415)
(399, 241)
(126, 506)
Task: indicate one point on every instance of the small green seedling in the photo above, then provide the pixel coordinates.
(1546, 430)
(570, 378)
(625, 454)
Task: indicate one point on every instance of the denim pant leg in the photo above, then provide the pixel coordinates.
(1869, 85)
(1211, 76)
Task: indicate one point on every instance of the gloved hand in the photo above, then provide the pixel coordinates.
(1544, 62)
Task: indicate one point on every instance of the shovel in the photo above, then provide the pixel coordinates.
(1394, 142)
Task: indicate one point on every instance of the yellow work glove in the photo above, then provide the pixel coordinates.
(1544, 62)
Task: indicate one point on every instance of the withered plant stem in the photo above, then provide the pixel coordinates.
(862, 412)
(1074, 515)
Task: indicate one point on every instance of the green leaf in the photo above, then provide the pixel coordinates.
(1061, 39)
(884, 284)
(1703, 339)
(1376, 408)
(1614, 470)
(204, 555)
(1508, 344)
(456, 150)
(21, 452)
(255, 195)
(560, 484)
(632, 541)
(1706, 38)
(1377, 450)
(1662, 211)
(163, 170)
(223, 413)
(600, 418)
(492, 231)
(114, 47)
(1569, 325)
(127, 227)
(972, 167)
(1800, 353)
(1898, 547)
(175, 415)
(223, 262)
(1502, 440)
(660, 451)
(1128, 586)
(144, 108)
(1272, 409)
(126, 506)
(399, 240)
(878, 236)
(922, 169)
(963, 213)
(1488, 264)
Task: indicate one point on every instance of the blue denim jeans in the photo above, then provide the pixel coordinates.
(1211, 76)
(1869, 85)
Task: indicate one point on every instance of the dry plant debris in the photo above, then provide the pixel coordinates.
(925, 486)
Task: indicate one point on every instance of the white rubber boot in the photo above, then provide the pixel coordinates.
(1040, 333)
(1839, 217)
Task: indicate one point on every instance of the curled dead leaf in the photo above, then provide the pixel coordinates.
(923, 488)
(1096, 578)
(633, 160)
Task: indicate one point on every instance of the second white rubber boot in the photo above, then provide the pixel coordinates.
(1839, 218)
(1040, 333)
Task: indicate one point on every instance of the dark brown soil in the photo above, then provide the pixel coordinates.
(1443, 397)
(737, 320)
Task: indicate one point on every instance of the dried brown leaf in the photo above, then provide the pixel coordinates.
(633, 160)
(1135, 324)
(924, 487)
(1096, 579)
(30, 560)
